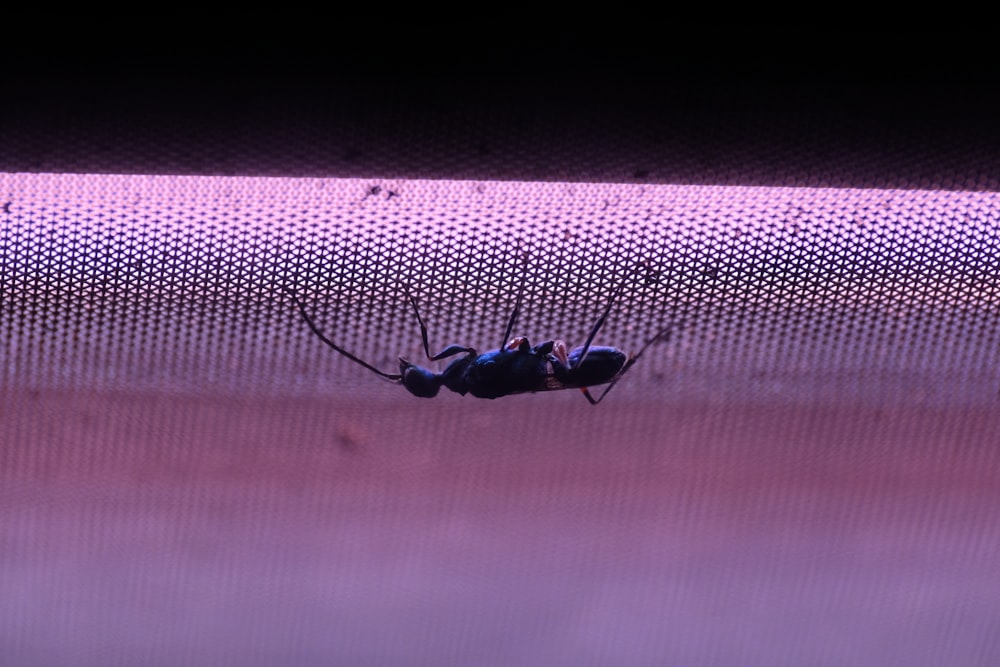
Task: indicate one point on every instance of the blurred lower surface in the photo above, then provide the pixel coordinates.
(534, 530)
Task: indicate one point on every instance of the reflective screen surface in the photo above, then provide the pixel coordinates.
(805, 471)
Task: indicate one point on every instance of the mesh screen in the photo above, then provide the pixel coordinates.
(805, 472)
(772, 294)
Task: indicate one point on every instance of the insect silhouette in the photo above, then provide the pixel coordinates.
(515, 368)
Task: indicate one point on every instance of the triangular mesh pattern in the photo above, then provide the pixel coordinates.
(806, 472)
(787, 295)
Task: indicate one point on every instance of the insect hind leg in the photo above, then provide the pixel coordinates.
(597, 327)
(661, 335)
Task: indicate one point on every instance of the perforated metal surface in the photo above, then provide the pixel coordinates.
(806, 472)
(174, 283)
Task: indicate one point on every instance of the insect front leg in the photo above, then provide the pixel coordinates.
(451, 351)
(420, 321)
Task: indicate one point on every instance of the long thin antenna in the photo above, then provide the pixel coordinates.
(316, 330)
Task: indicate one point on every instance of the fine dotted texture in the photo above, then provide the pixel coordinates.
(783, 294)
(806, 472)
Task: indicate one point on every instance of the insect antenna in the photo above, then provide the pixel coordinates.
(395, 377)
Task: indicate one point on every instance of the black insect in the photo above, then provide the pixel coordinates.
(515, 368)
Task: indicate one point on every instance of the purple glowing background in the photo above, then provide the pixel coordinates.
(807, 474)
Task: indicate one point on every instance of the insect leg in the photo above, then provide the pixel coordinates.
(316, 330)
(590, 399)
(420, 321)
(598, 325)
(449, 351)
(513, 318)
(663, 334)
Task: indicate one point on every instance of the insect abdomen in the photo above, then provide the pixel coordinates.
(600, 366)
